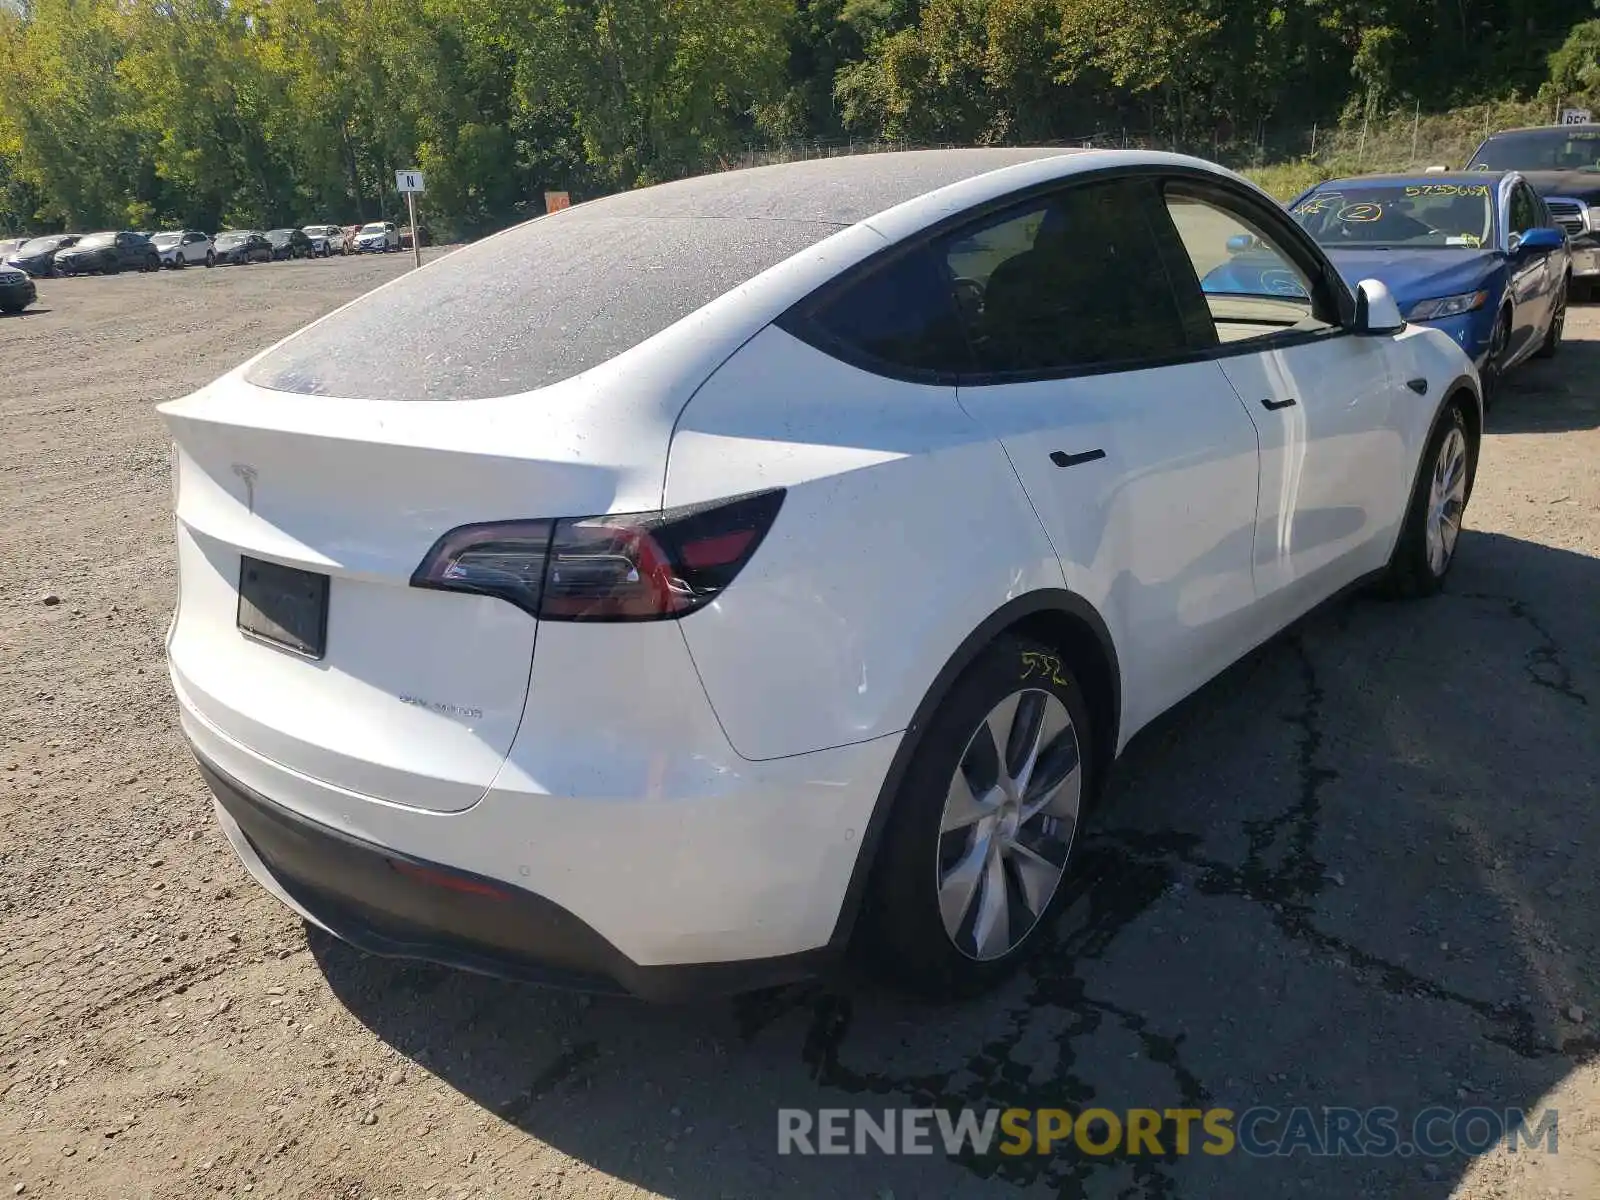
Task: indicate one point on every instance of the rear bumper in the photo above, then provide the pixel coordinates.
(400, 906)
(636, 849)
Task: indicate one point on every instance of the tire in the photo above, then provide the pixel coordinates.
(938, 835)
(153, 263)
(211, 258)
(1551, 345)
(1432, 526)
(12, 310)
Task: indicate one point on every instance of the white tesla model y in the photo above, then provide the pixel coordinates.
(667, 592)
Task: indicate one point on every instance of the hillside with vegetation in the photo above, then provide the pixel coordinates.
(214, 113)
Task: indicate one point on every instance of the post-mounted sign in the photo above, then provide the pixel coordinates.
(409, 183)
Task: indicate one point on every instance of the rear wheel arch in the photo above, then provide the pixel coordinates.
(1051, 616)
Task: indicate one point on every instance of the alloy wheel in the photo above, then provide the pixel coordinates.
(1446, 499)
(1008, 824)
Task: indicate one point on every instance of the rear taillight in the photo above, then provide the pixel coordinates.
(642, 567)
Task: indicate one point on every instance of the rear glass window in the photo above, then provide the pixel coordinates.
(529, 307)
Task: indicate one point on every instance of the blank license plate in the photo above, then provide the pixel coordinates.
(284, 606)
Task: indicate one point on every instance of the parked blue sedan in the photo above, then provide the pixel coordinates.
(1476, 254)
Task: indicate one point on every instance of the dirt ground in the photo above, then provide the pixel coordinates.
(1356, 870)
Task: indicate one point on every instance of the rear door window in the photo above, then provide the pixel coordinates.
(1072, 281)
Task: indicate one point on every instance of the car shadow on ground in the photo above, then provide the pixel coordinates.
(27, 312)
(1550, 396)
(1352, 871)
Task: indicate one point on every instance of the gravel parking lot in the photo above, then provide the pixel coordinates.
(1356, 870)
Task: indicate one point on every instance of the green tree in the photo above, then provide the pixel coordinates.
(1575, 67)
(653, 87)
(67, 109)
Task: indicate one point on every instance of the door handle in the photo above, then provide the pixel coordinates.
(1062, 459)
(1275, 405)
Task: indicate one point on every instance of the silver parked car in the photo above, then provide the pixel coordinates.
(325, 239)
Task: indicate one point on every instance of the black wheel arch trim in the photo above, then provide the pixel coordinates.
(1045, 600)
(1465, 383)
(1461, 383)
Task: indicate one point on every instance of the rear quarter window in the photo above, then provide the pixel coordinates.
(529, 307)
(897, 318)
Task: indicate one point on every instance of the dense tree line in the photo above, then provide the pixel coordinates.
(220, 113)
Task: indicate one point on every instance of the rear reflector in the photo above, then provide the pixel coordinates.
(449, 882)
(641, 567)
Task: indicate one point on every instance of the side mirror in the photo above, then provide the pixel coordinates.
(1376, 311)
(1546, 238)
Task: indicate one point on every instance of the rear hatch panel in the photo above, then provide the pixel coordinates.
(418, 694)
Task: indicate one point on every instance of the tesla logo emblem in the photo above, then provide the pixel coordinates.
(247, 473)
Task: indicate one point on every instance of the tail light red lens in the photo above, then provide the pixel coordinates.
(643, 567)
